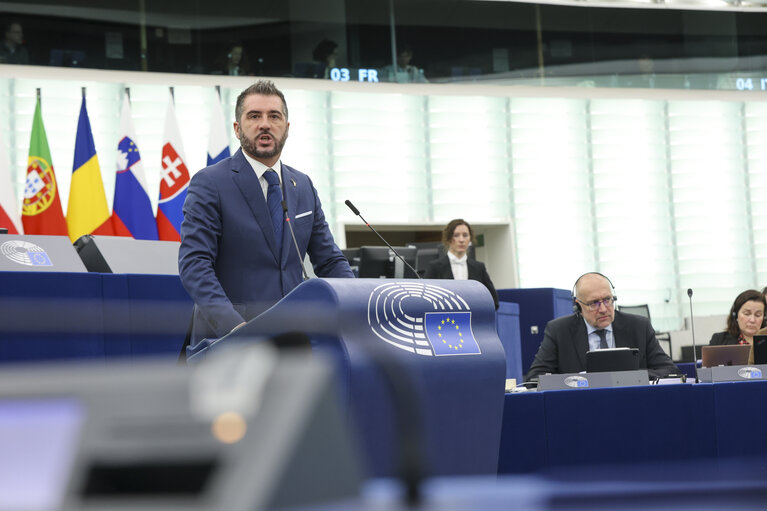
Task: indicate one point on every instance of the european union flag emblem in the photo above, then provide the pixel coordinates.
(449, 333)
(39, 259)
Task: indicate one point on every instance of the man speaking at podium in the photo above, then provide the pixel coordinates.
(237, 256)
(597, 325)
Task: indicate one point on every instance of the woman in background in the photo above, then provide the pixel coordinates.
(746, 318)
(457, 237)
(235, 64)
(324, 56)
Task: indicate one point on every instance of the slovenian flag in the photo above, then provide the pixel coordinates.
(87, 212)
(41, 208)
(9, 208)
(132, 211)
(174, 180)
(218, 143)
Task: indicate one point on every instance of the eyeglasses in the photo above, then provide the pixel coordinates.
(594, 306)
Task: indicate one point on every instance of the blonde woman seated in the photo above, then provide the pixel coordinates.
(745, 320)
(457, 237)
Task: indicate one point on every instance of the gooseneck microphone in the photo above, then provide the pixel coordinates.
(357, 212)
(293, 235)
(692, 327)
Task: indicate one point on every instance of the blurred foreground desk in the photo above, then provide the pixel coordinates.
(737, 484)
(543, 430)
(48, 316)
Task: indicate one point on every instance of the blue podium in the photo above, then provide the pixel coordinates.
(419, 363)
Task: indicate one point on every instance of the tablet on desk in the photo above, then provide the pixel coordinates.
(612, 359)
(760, 349)
(725, 355)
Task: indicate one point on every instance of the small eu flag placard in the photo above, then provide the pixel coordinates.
(39, 259)
(449, 333)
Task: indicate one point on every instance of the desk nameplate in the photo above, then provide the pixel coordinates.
(754, 372)
(575, 381)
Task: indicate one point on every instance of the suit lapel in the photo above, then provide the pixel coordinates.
(290, 192)
(581, 338)
(472, 269)
(447, 268)
(250, 187)
(621, 336)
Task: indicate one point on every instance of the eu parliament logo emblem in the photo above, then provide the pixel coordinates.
(449, 333)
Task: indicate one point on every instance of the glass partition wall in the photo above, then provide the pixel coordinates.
(630, 44)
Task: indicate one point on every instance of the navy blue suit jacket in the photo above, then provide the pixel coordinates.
(230, 262)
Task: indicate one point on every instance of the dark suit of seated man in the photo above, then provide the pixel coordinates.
(567, 339)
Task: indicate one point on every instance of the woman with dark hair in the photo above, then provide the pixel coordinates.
(324, 55)
(745, 319)
(457, 237)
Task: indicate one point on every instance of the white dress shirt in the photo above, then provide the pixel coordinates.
(458, 265)
(594, 336)
(259, 168)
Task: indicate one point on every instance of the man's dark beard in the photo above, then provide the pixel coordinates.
(251, 146)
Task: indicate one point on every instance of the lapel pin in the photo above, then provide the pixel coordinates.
(293, 181)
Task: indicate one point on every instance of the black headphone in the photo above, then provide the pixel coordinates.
(577, 306)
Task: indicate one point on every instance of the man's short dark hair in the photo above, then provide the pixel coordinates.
(263, 88)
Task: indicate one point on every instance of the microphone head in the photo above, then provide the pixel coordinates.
(689, 292)
(351, 206)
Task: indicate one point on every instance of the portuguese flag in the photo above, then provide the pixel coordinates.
(41, 210)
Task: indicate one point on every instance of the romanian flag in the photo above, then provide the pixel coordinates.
(9, 208)
(41, 209)
(132, 212)
(175, 179)
(218, 142)
(87, 212)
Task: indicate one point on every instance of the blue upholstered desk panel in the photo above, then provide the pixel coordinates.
(537, 306)
(656, 423)
(741, 413)
(507, 324)
(47, 316)
(50, 316)
(160, 313)
(631, 424)
(523, 439)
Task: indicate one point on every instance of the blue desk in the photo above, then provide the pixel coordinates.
(49, 316)
(543, 430)
(507, 325)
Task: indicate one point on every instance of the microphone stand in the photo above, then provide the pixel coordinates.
(357, 212)
(692, 327)
(293, 235)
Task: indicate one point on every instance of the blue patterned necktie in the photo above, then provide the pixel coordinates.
(602, 333)
(274, 203)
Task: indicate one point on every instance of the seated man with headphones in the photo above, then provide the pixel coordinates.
(596, 324)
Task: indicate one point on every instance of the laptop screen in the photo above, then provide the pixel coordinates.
(725, 355)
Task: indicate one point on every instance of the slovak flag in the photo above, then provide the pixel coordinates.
(174, 181)
(218, 143)
(132, 211)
